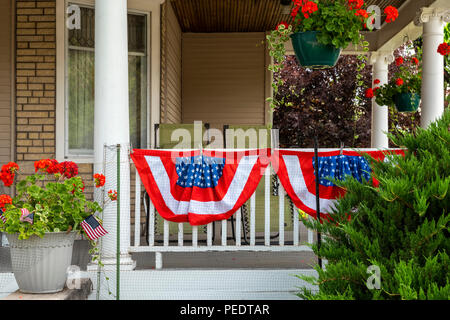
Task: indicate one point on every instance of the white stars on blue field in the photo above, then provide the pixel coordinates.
(338, 167)
(199, 171)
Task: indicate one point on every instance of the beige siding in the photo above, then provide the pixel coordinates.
(5, 81)
(224, 78)
(170, 66)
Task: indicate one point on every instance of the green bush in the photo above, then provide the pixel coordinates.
(402, 226)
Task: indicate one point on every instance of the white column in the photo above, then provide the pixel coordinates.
(433, 21)
(380, 114)
(111, 123)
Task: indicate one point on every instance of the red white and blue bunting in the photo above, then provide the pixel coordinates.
(200, 186)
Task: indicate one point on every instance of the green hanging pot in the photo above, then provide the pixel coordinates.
(312, 54)
(406, 102)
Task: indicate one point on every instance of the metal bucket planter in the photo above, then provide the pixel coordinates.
(407, 102)
(312, 54)
(40, 265)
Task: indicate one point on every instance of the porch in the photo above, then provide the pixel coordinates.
(184, 42)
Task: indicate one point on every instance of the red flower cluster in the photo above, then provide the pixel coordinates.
(4, 200)
(444, 49)
(8, 172)
(399, 61)
(415, 61)
(376, 81)
(369, 93)
(399, 82)
(391, 14)
(99, 180)
(355, 4)
(309, 8)
(68, 168)
(362, 13)
(112, 195)
(47, 165)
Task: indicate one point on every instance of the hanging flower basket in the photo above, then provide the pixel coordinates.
(407, 102)
(313, 54)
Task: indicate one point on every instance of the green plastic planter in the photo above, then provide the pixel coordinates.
(312, 54)
(407, 102)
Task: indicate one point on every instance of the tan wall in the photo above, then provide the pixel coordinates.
(224, 78)
(6, 100)
(170, 66)
(35, 81)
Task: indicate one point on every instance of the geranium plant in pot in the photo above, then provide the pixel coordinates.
(50, 208)
(320, 30)
(403, 89)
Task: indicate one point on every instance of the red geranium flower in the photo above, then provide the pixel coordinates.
(4, 200)
(355, 4)
(363, 13)
(46, 165)
(391, 14)
(112, 195)
(399, 61)
(399, 81)
(369, 93)
(68, 168)
(308, 8)
(415, 60)
(8, 172)
(99, 180)
(376, 81)
(444, 49)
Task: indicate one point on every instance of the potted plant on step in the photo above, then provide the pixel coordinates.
(403, 89)
(42, 220)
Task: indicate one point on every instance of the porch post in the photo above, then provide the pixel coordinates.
(433, 20)
(111, 122)
(380, 114)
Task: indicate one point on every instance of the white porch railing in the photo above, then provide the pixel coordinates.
(281, 244)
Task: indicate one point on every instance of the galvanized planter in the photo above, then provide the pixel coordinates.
(313, 54)
(40, 265)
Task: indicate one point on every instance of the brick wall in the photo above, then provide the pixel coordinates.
(36, 86)
(35, 81)
(36, 90)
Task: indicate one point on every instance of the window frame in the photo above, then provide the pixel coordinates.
(148, 8)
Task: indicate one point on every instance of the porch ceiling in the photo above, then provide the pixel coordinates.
(239, 15)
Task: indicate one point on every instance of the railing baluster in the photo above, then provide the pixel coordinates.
(209, 234)
(180, 234)
(224, 232)
(194, 236)
(166, 233)
(310, 236)
(252, 218)
(151, 227)
(281, 209)
(296, 226)
(238, 227)
(267, 207)
(137, 212)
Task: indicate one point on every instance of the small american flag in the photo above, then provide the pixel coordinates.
(26, 216)
(2, 216)
(93, 228)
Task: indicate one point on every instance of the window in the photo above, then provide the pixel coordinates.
(80, 64)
